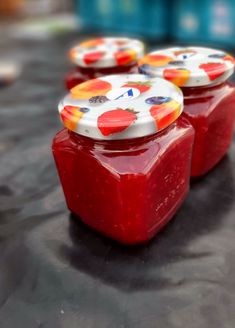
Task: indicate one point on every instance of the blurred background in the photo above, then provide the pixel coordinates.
(55, 273)
(209, 21)
(157, 22)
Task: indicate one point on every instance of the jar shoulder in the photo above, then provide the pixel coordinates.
(204, 101)
(64, 139)
(137, 156)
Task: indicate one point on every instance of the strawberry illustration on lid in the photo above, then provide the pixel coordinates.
(106, 52)
(123, 106)
(189, 67)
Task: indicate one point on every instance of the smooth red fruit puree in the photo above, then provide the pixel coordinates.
(127, 189)
(82, 74)
(211, 111)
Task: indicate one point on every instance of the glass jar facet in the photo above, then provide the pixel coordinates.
(126, 189)
(211, 111)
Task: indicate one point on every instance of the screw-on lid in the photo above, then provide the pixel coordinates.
(107, 52)
(121, 106)
(188, 67)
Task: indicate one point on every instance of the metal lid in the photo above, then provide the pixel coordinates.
(121, 106)
(107, 52)
(188, 67)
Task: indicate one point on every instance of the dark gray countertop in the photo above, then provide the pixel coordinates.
(55, 272)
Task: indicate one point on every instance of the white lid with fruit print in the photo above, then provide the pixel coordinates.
(188, 67)
(121, 107)
(107, 52)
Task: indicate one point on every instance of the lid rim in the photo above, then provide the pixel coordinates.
(188, 85)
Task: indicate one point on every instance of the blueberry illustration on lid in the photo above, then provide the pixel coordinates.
(188, 54)
(176, 62)
(84, 109)
(221, 55)
(157, 100)
(144, 68)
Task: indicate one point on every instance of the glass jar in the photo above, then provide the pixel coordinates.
(209, 98)
(124, 162)
(103, 56)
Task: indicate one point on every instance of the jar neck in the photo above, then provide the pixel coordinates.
(122, 144)
(200, 91)
(106, 70)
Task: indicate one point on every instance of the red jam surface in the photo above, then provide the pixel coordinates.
(82, 74)
(126, 189)
(211, 111)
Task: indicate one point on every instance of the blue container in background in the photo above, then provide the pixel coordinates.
(155, 18)
(191, 21)
(137, 17)
(221, 18)
(96, 14)
(204, 20)
(128, 17)
(186, 20)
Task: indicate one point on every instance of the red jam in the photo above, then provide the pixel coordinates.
(103, 56)
(124, 157)
(211, 111)
(82, 74)
(209, 99)
(126, 189)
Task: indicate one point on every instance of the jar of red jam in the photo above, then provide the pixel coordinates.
(209, 97)
(103, 56)
(124, 155)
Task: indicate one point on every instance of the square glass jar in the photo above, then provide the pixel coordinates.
(124, 164)
(209, 97)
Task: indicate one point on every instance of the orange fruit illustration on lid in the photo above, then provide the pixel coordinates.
(185, 52)
(178, 76)
(72, 53)
(91, 88)
(91, 43)
(71, 115)
(165, 111)
(124, 57)
(229, 58)
(155, 60)
(120, 43)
